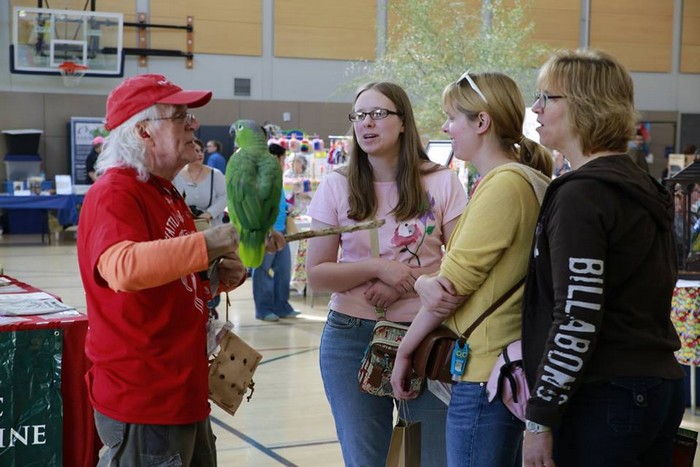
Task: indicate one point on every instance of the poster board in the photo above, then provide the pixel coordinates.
(31, 405)
(82, 131)
(64, 185)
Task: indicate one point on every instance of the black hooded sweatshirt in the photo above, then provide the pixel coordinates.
(598, 293)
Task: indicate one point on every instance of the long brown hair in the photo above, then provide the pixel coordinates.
(411, 167)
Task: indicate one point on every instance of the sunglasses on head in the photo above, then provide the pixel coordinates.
(473, 85)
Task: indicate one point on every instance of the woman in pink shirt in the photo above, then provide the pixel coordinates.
(389, 176)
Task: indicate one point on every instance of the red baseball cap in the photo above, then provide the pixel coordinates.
(140, 92)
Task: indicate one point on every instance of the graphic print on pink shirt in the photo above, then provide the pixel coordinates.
(409, 232)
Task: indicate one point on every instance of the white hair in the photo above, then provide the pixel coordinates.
(124, 147)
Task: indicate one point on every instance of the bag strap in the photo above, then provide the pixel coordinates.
(465, 335)
(211, 189)
(374, 252)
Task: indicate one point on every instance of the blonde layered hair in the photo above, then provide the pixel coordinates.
(600, 97)
(505, 105)
(412, 165)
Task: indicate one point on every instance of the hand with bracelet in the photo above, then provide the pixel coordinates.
(537, 445)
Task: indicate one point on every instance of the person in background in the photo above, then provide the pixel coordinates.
(271, 279)
(486, 259)
(203, 188)
(90, 175)
(143, 267)
(204, 191)
(690, 150)
(390, 177)
(561, 165)
(215, 159)
(296, 176)
(638, 152)
(298, 167)
(598, 342)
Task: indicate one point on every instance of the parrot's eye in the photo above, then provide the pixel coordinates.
(376, 114)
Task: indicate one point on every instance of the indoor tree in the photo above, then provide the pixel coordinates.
(432, 42)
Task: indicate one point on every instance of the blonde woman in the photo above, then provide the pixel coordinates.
(486, 256)
(598, 340)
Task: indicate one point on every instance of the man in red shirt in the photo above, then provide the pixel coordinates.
(143, 266)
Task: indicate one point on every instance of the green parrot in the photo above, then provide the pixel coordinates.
(254, 187)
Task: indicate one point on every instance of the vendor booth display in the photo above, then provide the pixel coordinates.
(685, 305)
(45, 415)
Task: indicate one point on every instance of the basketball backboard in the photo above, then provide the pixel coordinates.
(42, 39)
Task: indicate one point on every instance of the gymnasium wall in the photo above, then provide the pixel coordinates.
(296, 54)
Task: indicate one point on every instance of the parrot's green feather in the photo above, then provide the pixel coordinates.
(254, 186)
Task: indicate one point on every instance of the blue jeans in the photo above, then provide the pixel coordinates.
(271, 284)
(631, 421)
(481, 433)
(364, 422)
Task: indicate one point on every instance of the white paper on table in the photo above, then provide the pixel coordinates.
(7, 320)
(62, 315)
(10, 288)
(28, 296)
(38, 303)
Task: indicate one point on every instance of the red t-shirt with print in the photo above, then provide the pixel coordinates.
(148, 347)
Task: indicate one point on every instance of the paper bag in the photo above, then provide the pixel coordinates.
(404, 448)
(684, 445)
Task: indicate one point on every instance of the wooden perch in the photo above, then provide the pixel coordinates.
(375, 224)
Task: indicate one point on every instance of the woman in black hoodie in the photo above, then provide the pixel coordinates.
(598, 342)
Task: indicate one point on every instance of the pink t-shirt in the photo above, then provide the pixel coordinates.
(417, 242)
(148, 348)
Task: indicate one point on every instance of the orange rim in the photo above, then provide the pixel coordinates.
(71, 67)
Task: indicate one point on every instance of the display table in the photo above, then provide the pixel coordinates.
(685, 316)
(65, 205)
(80, 443)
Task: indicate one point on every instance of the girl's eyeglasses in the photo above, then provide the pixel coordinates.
(376, 114)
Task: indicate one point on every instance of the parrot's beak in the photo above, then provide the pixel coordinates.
(232, 132)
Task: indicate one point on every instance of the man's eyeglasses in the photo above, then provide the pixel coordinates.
(187, 118)
(376, 114)
(473, 85)
(543, 98)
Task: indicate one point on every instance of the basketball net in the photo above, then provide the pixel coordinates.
(71, 73)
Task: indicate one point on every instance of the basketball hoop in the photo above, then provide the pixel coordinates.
(71, 73)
